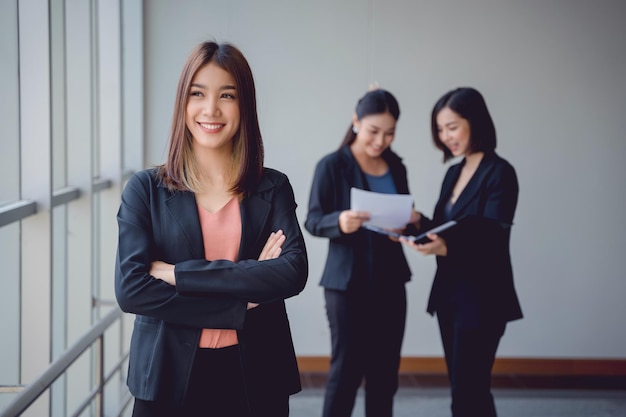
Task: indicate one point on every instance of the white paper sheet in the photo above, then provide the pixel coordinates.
(389, 211)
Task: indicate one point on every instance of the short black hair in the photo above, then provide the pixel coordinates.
(468, 103)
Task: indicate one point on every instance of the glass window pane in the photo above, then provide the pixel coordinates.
(9, 307)
(9, 104)
(57, 57)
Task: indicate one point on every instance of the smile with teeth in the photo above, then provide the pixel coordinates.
(211, 126)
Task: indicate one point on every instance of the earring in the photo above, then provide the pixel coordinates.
(355, 129)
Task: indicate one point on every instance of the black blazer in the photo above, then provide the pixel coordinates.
(335, 175)
(476, 273)
(156, 224)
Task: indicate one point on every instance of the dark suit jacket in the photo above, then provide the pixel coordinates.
(156, 224)
(476, 273)
(335, 175)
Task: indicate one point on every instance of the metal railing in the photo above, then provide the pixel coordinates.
(95, 335)
(18, 210)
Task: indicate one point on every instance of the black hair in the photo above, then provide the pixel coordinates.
(468, 103)
(373, 102)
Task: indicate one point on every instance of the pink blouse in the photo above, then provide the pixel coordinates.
(221, 233)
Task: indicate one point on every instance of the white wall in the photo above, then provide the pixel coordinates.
(552, 73)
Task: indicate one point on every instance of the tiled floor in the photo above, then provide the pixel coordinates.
(318, 380)
(515, 396)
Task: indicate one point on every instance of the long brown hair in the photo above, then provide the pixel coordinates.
(180, 172)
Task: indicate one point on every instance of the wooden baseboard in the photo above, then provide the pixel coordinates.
(502, 366)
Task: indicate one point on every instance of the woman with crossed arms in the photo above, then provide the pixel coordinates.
(209, 248)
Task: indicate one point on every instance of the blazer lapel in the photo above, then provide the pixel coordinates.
(184, 213)
(352, 172)
(254, 214)
(446, 188)
(474, 186)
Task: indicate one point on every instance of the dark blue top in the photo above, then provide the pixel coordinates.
(381, 183)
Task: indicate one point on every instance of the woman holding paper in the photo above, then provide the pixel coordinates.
(365, 273)
(473, 294)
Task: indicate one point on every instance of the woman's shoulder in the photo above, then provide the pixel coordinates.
(501, 163)
(339, 158)
(502, 170)
(490, 159)
(145, 181)
(332, 157)
(273, 175)
(272, 180)
(145, 177)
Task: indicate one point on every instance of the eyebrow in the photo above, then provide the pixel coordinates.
(222, 88)
(373, 126)
(450, 123)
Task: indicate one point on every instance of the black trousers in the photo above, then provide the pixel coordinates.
(470, 350)
(367, 328)
(216, 389)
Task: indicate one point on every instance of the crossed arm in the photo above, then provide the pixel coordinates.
(271, 250)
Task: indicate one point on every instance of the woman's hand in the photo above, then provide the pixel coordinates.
(273, 246)
(437, 245)
(163, 271)
(415, 218)
(350, 221)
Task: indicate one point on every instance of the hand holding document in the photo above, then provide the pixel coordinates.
(421, 238)
(387, 211)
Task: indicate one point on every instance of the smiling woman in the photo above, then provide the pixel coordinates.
(472, 295)
(212, 110)
(209, 248)
(366, 272)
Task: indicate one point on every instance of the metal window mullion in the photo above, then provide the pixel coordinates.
(35, 184)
